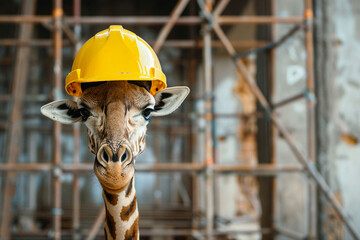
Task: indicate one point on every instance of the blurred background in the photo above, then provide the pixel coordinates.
(223, 166)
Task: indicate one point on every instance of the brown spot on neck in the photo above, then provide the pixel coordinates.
(112, 198)
(129, 188)
(133, 232)
(110, 222)
(127, 211)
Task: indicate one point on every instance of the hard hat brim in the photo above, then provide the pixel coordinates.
(73, 81)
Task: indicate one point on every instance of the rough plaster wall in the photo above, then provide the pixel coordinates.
(344, 101)
(226, 130)
(290, 75)
(229, 199)
(339, 113)
(227, 194)
(225, 102)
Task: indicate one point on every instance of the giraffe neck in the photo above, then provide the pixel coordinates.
(122, 215)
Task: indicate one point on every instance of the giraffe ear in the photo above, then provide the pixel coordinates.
(169, 99)
(63, 111)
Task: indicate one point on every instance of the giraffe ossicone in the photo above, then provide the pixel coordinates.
(116, 115)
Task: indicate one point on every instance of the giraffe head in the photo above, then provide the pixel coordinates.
(116, 115)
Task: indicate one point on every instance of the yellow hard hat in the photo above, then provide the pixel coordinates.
(115, 54)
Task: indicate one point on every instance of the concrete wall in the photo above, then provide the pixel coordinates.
(289, 77)
(338, 68)
(337, 59)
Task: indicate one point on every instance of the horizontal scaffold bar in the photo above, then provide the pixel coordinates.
(260, 169)
(150, 20)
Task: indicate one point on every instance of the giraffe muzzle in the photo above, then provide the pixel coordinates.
(106, 154)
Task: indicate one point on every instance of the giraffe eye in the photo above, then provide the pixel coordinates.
(146, 113)
(84, 113)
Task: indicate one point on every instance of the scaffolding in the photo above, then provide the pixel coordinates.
(210, 20)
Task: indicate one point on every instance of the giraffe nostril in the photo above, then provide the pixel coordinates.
(124, 156)
(105, 156)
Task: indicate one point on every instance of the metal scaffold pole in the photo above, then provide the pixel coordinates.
(76, 137)
(311, 101)
(209, 158)
(57, 91)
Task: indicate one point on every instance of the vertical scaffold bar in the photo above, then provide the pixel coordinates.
(192, 66)
(76, 191)
(310, 101)
(57, 35)
(209, 158)
(76, 135)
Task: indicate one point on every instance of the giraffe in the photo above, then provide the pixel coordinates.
(116, 114)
